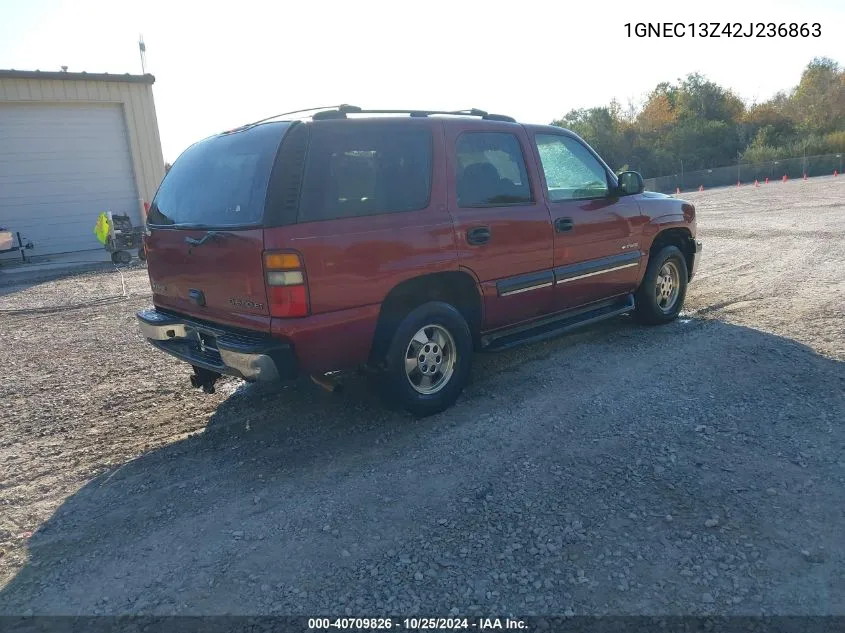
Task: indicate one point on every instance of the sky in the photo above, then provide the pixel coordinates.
(221, 64)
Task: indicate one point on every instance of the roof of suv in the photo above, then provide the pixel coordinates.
(422, 116)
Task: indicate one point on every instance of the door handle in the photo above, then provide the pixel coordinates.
(478, 235)
(563, 224)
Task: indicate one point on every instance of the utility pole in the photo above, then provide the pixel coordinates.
(142, 48)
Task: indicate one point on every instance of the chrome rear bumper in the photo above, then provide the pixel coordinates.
(253, 357)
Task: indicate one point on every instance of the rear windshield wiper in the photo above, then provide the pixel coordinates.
(211, 235)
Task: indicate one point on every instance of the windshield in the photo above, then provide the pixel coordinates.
(221, 181)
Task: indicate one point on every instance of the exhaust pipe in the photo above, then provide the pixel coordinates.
(327, 382)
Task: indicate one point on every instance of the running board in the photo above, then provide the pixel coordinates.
(556, 325)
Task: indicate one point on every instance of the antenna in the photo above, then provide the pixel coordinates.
(143, 50)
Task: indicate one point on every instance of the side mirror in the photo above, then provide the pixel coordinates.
(630, 182)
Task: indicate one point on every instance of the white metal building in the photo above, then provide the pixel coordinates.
(73, 145)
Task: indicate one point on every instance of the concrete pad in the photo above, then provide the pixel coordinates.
(48, 267)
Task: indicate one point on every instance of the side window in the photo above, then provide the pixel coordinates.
(355, 170)
(491, 170)
(572, 172)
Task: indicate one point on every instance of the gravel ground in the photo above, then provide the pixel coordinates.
(687, 469)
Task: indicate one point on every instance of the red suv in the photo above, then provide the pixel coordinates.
(400, 241)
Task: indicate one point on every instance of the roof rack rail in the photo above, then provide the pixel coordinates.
(341, 111)
(342, 106)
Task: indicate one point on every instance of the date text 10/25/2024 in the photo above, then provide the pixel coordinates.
(417, 624)
(723, 29)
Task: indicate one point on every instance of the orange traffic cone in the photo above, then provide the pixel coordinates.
(835, 172)
(701, 187)
(767, 180)
(785, 177)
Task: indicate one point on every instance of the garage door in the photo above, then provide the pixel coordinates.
(60, 166)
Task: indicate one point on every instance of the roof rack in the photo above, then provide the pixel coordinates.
(341, 111)
(276, 116)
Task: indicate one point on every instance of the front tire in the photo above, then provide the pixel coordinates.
(429, 359)
(660, 297)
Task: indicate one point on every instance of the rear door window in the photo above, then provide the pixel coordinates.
(491, 170)
(356, 170)
(221, 181)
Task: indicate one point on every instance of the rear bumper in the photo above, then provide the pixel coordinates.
(696, 256)
(251, 356)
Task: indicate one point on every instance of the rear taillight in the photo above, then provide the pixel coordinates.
(287, 294)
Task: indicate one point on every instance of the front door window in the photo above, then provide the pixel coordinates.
(572, 172)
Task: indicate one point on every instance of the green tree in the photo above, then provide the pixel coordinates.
(697, 123)
(698, 98)
(601, 126)
(818, 102)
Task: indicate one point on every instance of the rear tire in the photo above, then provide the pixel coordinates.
(660, 297)
(428, 360)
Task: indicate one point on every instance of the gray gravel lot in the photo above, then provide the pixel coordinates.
(687, 469)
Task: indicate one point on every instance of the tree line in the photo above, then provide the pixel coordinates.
(697, 124)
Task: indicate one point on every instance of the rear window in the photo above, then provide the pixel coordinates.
(355, 170)
(221, 181)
